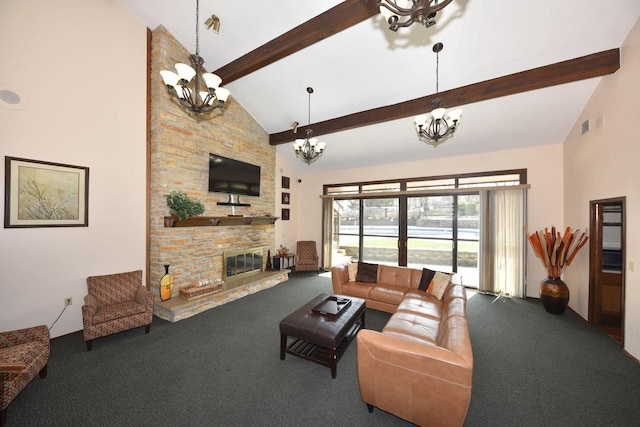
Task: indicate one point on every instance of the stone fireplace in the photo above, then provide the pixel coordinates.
(242, 262)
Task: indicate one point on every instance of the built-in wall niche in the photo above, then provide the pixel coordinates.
(612, 238)
(612, 227)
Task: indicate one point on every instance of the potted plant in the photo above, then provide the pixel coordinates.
(183, 207)
(556, 253)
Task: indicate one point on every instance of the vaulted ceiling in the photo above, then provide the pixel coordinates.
(522, 71)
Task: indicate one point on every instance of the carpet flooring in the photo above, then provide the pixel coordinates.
(222, 368)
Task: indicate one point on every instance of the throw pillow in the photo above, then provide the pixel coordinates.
(427, 277)
(353, 271)
(440, 282)
(367, 273)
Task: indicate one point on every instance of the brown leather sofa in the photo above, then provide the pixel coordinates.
(420, 366)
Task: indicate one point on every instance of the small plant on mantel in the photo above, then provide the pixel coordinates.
(183, 207)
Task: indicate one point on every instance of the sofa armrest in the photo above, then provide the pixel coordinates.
(339, 276)
(422, 383)
(24, 336)
(90, 307)
(145, 297)
(12, 366)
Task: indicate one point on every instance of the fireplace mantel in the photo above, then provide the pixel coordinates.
(215, 221)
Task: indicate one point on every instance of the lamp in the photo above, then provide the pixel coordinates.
(179, 84)
(309, 149)
(422, 11)
(434, 127)
(212, 23)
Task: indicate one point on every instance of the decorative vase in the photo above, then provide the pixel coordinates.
(554, 295)
(166, 285)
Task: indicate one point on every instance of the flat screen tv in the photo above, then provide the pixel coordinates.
(233, 176)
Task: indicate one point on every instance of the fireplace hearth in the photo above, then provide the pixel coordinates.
(242, 262)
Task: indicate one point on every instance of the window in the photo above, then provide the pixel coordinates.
(419, 222)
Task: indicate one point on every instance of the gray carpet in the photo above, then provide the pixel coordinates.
(222, 367)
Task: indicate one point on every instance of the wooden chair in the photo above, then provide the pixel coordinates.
(115, 303)
(24, 353)
(307, 256)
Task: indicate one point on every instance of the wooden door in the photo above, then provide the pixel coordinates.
(606, 266)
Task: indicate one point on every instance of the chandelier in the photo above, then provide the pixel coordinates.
(434, 127)
(212, 96)
(422, 11)
(308, 149)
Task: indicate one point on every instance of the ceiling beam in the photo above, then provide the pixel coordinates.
(585, 67)
(334, 20)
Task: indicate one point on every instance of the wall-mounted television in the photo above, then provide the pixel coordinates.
(233, 176)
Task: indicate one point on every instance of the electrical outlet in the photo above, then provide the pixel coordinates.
(68, 301)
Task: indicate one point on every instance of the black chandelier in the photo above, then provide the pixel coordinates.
(211, 97)
(434, 127)
(308, 149)
(422, 11)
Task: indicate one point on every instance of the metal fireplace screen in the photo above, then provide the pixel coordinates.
(242, 262)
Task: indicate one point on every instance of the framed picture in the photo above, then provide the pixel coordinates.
(45, 194)
(285, 182)
(285, 214)
(285, 198)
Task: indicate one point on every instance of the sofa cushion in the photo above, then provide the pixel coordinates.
(388, 294)
(357, 289)
(353, 271)
(413, 326)
(367, 273)
(116, 311)
(423, 303)
(439, 284)
(425, 280)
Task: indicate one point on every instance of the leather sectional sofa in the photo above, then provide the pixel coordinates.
(420, 366)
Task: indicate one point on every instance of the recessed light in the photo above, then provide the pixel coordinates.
(12, 99)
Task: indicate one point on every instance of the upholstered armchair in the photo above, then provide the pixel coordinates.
(306, 256)
(115, 303)
(23, 355)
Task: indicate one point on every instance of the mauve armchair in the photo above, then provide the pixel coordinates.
(115, 303)
(306, 256)
(24, 353)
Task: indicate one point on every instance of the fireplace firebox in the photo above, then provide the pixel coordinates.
(242, 262)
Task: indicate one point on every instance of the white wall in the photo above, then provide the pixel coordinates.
(603, 164)
(286, 233)
(544, 165)
(82, 64)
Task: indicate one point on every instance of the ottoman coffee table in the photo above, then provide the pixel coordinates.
(322, 329)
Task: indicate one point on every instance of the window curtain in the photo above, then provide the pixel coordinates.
(327, 232)
(502, 242)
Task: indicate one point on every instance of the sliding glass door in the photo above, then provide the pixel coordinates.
(380, 231)
(436, 232)
(430, 238)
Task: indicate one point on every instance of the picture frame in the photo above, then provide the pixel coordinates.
(285, 182)
(286, 198)
(285, 214)
(45, 194)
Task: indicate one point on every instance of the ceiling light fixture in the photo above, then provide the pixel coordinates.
(179, 84)
(434, 127)
(212, 23)
(309, 149)
(422, 11)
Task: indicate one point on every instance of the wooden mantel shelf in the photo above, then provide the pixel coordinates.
(214, 221)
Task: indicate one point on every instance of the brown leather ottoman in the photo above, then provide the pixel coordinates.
(321, 337)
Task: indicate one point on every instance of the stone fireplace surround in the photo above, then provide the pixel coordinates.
(179, 159)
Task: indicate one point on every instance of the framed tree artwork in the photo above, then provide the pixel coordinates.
(45, 194)
(285, 214)
(286, 197)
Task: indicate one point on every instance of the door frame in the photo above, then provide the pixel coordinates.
(595, 259)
